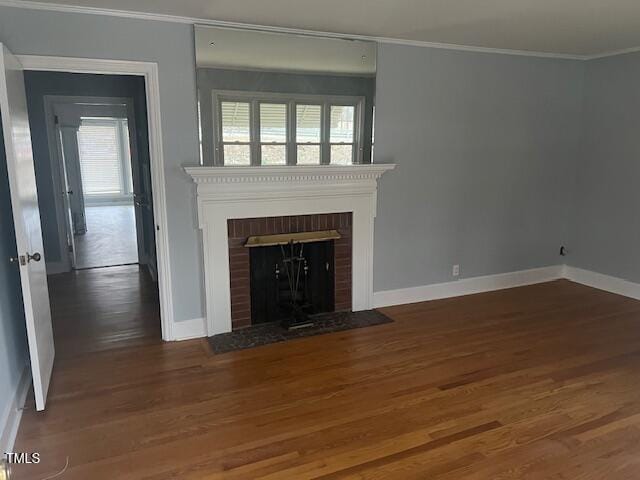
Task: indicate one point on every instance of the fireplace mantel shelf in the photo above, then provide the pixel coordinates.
(285, 173)
(225, 193)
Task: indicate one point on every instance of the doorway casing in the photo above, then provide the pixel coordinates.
(149, 71)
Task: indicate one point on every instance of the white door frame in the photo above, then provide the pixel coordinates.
(149, 71)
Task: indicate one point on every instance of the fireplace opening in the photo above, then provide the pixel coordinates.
(254, 298)
(291, 281)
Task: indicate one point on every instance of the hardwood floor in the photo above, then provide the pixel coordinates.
(538, 382)
(110, 238)
(103, 308)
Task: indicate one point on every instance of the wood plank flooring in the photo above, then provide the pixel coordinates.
(110, 239)
(537, 382)
(103, 308)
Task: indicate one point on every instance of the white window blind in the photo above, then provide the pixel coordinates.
(308, 133)
(342, 134)
(104, 156)
(273, 133)
(236, 132)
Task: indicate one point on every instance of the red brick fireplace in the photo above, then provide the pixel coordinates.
(287, 199)
(239, 264)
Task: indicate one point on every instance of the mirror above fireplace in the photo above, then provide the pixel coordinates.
(271, 99)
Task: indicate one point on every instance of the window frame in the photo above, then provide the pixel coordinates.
(291, 100)
(124, 153)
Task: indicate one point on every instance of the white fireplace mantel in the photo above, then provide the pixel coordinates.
(225, 193)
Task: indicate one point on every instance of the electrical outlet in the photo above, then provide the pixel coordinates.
(456, 270)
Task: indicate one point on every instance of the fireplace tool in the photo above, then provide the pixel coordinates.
(296, 269)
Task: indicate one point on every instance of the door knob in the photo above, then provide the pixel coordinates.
(35, 257)
(70, 192)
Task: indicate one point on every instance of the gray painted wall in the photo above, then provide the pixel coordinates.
(209, 79)
(485, 145)
(13, 335)
(605, 227)
(39, 84)
(41, 32)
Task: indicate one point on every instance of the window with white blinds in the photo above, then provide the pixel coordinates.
(257, 128)
(105, 162)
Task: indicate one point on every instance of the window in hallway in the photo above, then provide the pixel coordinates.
(105, 167)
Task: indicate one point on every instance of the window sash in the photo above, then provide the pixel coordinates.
(274, 144)
(102, 178)
(291, 144)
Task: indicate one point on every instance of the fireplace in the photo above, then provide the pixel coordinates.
(232, 199)
(260, 289)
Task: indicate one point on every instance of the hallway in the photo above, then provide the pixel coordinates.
(101, 309)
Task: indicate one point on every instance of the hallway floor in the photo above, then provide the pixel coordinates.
(101, 309)
(110, 238)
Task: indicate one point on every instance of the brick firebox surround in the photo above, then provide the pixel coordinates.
(239, 264)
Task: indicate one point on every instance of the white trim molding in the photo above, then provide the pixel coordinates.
(501, 281)
(467, 286)
(603, 282)
(10, 420)
(226, 193)
(149, 71)
(188, 329)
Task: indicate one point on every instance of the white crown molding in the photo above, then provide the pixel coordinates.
(612, 53)
(31, 5)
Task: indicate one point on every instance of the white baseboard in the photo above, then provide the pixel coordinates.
(603, 282)
(188, 329)
(466, 286)
(54, 268)
(13, 413)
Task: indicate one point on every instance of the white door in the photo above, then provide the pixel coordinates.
(69, 190)
(26, 216)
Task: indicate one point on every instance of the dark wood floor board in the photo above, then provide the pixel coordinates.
(536, 382)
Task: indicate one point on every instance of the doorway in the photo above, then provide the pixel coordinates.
(31, 195)
(101, 222)
(104, 194)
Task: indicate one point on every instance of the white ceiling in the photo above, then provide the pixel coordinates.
(570, 27)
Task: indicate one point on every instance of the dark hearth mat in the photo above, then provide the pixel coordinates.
(267, 333)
